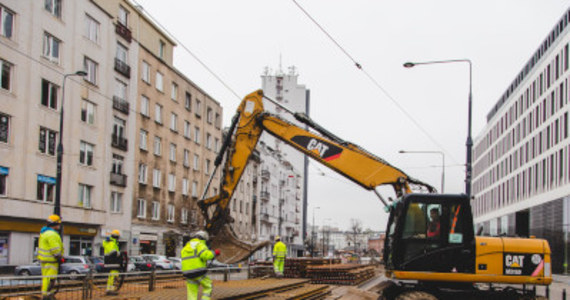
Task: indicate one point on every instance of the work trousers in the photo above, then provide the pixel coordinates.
(111, 280)
(279, 265)
(193, 285)
(49, 273)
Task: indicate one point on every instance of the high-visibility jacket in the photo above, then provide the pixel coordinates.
(50, 245)
(111, 250)
(280, 250)
(195, 256)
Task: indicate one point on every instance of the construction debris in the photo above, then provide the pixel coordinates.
(341, 274)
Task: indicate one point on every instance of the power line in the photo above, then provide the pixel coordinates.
(373, 80)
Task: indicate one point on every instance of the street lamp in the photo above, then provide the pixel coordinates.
(469, 142)
(57, 204)
(442, 164)
(313, 233)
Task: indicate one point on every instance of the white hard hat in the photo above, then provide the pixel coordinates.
(201, 235)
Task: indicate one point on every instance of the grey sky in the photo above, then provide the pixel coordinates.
(237, 39)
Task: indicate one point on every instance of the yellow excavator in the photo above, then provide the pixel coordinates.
(430, 242)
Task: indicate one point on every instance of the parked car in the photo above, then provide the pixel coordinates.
(97, 264)
(160, 261)
(177, 262)
(141, 264)
(73, 265)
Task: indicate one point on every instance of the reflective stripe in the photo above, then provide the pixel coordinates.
(201, 252)
(206, 295)
(46, 255)
(112, 265)
(189, 257)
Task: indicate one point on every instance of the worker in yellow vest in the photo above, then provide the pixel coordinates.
(195, 256)
(279, 254)
(50, 254)
(112, 260)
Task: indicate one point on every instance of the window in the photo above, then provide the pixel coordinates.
(158, 113)
(172, 152)
(5, 79)
(170, 213)
(145, 72)
(116, 202)
(49, 94)
(118, 130)
(86, 153)
(84, 195)
(142, 173)
(4, 180)
(208, 141)
(218, 121)
(53, 7)
(157, 146)
(187, 129)
(90, 67)
(47, 141)
(186, 158)
(216, 145)
(6, 22)
(188, 102)
(209, 115)
(184, 216)
(46, 188)
(87, 112)
(194, 189)
(207, 167)
(185, 183)
(51, 47)
(141, 208)
(161, 46)
(91, 29)
(171, 182)
(145, 106)
(117, 167)
(143, 140)
(174, 122)
(197, 135)
(198, 108)
(121, 53)
(4, 128)
(123, 16)
(155, 210)
(174, 92)
(156, 178)
(159, 81)
(196, 162)
(121, 90)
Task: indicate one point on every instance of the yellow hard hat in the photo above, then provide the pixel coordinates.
(54, 219)
(115, 232)
(277, 238)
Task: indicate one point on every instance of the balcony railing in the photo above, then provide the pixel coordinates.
(124, 32)
(264, 195)
(118, 179)
(121, 105)
(265, 174)
(122, 67)
(264, 217)
(119, 142)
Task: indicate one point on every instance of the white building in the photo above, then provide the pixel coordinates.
(522, 157)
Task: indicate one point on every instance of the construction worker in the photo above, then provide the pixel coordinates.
(112, 260)
(279, 253)
(195, 256)
(50, 254)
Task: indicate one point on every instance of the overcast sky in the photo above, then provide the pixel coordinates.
(237, 39)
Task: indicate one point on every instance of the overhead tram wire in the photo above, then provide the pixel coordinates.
(374, 81)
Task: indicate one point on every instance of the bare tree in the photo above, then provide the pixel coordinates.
(354, 231)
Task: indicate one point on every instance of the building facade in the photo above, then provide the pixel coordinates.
(522, 157)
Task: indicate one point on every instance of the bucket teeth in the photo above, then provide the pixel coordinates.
(233, 250)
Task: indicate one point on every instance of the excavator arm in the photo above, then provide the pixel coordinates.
(250, 121)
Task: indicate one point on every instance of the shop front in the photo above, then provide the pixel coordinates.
(147, 243)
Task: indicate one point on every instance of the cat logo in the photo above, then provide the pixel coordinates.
(322, 149)
(514, 261)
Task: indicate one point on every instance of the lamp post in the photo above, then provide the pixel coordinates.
(442, 164)
(313, 233)
(469, 142)
(328, 229)
(57, 204)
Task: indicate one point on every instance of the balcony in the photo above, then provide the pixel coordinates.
(297, 221)
(122, 67)
(124, 32)
(121, 105)
(295, 233)
(254, 179)
(119, 142)
(264, 217)
(281, 182)
(264, 195)
(118, 179)
(265, 174)
(255, 156)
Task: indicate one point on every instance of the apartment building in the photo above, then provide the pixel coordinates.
(42, 45)
(177, 132)
(522, 157)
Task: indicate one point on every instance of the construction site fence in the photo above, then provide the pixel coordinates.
(94, 285)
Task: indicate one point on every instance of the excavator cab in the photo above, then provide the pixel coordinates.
(426, 230)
